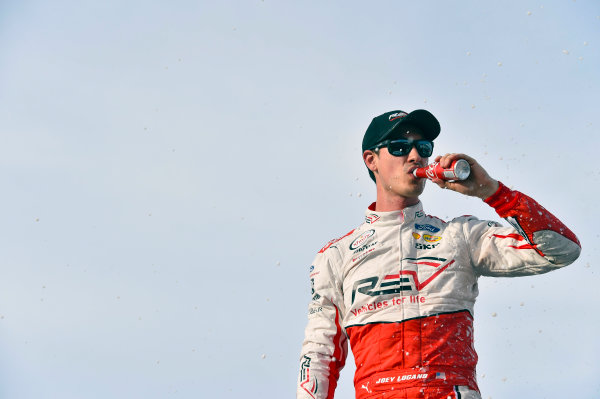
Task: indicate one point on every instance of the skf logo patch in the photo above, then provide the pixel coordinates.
(361, 239)
(397, 115)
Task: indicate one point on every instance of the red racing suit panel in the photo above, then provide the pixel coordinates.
(430, 349)
(540, 229)
(401, 289)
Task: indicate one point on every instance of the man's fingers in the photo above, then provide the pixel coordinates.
(447, 159)
(439, 182)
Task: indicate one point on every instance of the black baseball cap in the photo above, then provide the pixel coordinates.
(382, 126)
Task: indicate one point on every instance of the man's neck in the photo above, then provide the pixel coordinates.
(388, 203)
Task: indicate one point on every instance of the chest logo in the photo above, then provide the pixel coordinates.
(431, 238)
(404, 280)
(427, 227)
(372, 218)
(361, 239)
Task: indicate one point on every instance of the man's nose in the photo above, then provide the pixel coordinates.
(414, 156)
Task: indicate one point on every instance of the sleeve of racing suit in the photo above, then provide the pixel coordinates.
(537, 242)
(325, 346)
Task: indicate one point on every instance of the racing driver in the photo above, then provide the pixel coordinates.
(401, 286)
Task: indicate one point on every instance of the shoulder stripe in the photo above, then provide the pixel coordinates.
(330, 243)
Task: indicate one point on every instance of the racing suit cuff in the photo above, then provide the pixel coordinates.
(502, 200)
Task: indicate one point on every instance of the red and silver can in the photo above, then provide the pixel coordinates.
(459, 170)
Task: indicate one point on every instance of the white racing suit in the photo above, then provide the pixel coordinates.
(401, 288)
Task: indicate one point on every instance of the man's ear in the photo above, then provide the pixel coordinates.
(371, 159)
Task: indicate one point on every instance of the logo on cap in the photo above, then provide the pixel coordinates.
(397, 115)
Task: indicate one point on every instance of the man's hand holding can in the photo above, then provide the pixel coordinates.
(477, 184)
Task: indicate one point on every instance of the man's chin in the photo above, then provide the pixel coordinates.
(415, 191)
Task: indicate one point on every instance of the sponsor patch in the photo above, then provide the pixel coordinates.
(418, 245)
(315, 310)
(416, 235)
(404, 282)
(372, 218)
(427, 227)
(364, 247)
(361, 239)
(361, 255)
(419, 214)
(430, 238)
(310, 385)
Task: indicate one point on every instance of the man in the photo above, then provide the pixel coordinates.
(402, 286)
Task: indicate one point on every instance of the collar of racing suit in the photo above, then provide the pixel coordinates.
(405, 215)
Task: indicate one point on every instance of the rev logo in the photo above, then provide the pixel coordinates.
(405, 280)
(373, 287)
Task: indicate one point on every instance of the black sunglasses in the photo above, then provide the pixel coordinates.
(401, 147)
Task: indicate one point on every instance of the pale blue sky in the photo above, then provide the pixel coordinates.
(171, 168)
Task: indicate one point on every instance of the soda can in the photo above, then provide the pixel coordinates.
(459, 170)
